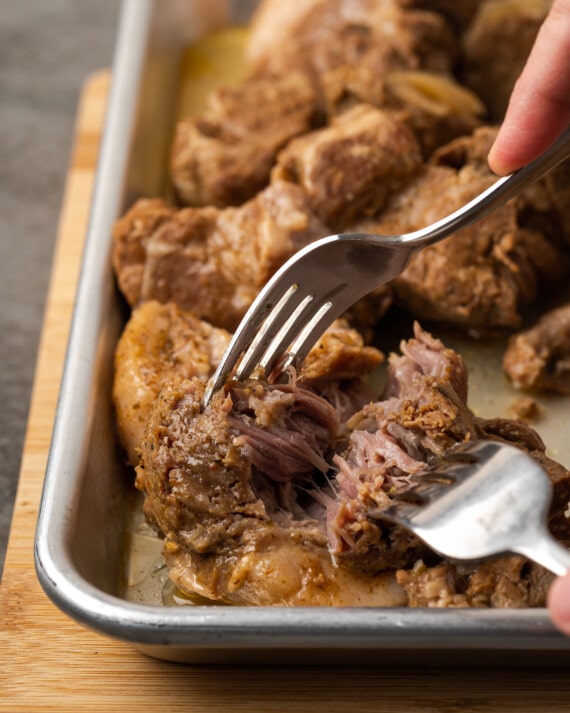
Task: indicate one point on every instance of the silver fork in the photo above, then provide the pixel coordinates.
(491, 499)
(321, 281)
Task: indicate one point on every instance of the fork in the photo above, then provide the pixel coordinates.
(489, 499)
(321, 281)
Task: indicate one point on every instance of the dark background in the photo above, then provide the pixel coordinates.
(47, 49)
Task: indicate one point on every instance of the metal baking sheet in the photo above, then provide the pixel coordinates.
(95, 557)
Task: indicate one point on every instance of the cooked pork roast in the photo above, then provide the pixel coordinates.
(160, 342)
(384, 55)
(538, 358)
(352, 118)
(213, 262)
(350, 168)
(264, 496)
(209, 261)
(486, 274)
(224, 156)
(319, 35)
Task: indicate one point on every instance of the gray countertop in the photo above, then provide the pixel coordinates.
(47, 49)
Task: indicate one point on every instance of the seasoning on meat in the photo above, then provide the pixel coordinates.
(213, 262)
(350, 168)
(486, 274)
(224, 156)
(539, 357)
(316, 36)
(159, 342)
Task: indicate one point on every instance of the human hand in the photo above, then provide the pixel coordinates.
(539, 107)
(559, 603)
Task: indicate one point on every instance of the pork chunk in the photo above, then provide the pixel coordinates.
(485, 275)
(213, 262)
(131, 234)
(319, 35)
(350, 168)
(538, 358)
(226, 486)
(159, 343)
(508, 582)
(224, 156)
(267, 495)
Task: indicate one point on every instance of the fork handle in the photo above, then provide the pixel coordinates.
(495, 196)
(546, 551)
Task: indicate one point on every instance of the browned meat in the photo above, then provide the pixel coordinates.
(159, 342)
(224, 156)
(496, 47)
(437, 108)
(543, 207)
(339, 354)
(208, 261)
(226, 486)
(263, 497)
(131, 235)
(434, 106)
(539, 357)
(485, 275)
(350, 168)
(509, 582)
(162, 344)
(369, 50)
(459, 14)
(319, 35)
(214, 261)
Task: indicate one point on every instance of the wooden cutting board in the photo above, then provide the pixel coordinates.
(50, 663)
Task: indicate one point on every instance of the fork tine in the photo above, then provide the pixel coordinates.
(298, 333)
(428, 489)
(275, 334)
(400, 513)
(299, 341)
(311, 333)
(463, 453)
(274, 293)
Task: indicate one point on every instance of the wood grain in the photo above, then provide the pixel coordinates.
(50, 663)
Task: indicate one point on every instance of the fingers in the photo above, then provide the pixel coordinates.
(559, 603)
(539, 108)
